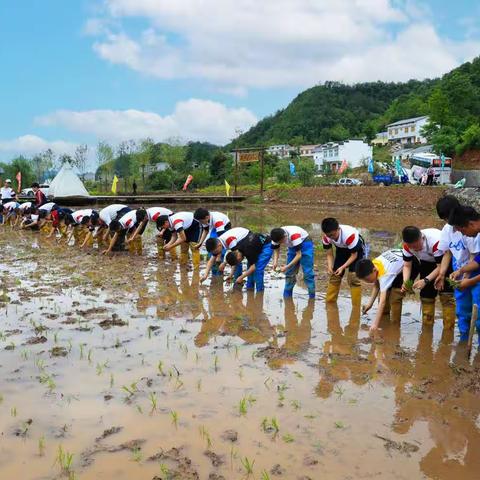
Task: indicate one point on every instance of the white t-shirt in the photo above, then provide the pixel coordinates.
(9, 206)
(295, 236)
(79, 214)
(218, 221)
(460, 245)
(348, 238)
(47, 206)
(181, 221)
(109, 213)
(430, 249)
(7, 192)
(154, 212)
(231, 237)
(25, 205)
(128, 220)
(389, 264)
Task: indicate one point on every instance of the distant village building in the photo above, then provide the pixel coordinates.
(280, 151)
(407, 131)
(404, 154)
(307, 151)
(330, 156)
(380, 139)
(157, 167)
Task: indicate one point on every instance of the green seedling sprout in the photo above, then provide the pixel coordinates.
(64, 460)
(153, 400)
(339, 391)
(453, 283)
(112, 380)
(295, 404)
(287, 438)
(174, 416)
(408, 284)
(13, 411)
(264, 475)
(248, 465)
(137, 454)
(41, 446)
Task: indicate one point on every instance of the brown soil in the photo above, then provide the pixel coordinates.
(469, 160)
(394, 197)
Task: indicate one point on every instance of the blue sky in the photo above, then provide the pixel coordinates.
(80, 71)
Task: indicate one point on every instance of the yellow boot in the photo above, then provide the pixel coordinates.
(355, 289)
(196, 257)
(184, 253)
(448, 310)
(396, 304)
(428, 311)
(333, 288)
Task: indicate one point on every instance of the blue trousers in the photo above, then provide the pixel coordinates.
(256, 280)
(464, 300)
(306, 262)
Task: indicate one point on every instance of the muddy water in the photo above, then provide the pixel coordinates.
(140, 372)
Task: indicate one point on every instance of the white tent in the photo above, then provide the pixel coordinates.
(67, 184)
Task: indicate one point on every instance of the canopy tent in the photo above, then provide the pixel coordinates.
(67, 184)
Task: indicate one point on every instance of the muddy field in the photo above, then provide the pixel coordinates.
(126, 368)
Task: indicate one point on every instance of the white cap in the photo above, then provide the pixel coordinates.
(8, 180)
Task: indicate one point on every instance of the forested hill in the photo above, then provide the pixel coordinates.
(334, 111)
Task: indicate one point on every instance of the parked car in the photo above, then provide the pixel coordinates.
(348, 182)
(28, 192)
(388, 179)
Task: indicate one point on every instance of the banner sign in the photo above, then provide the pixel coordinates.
(249, 157)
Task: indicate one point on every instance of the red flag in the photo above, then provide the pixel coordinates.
(343, 167)
(19, 181)
(187, 183)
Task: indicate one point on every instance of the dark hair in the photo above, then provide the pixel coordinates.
(42, 213)
(329, 224)
(445, 205)
(364, 268)
(277, 234)
(161, 220)
(201, 213)
(94, 217)
(211, 244)
(232, 259)
(141, 214)
(460, 216)
(35, 185)
(115, 226)
(69, 219)
(411, 234)
(84, 220)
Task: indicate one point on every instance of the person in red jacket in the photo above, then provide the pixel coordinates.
(40, 198)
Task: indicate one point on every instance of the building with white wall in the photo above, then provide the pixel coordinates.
(330, 156)
(280, 151)
(307, 151)
(407, 131)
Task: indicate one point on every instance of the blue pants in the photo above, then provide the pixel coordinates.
(464, 300)
(256, 279)
(306, 262)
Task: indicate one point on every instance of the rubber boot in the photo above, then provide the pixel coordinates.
(333, 288)
(396, 303)
(428, 311)
(196, 257)
(448, 310)
(184, 253)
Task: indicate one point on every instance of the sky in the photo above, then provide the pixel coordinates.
(81, 71)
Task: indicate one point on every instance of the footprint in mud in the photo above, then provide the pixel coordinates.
(216, 460)
(36, 340)
(112, 322)
(58, 352)
(402, 447)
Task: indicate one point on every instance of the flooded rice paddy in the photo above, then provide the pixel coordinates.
(127, 368)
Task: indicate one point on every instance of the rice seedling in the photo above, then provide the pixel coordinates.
(41, 446)
(206, 436)
(55, 337)
(24, 354)
(197, 357)
(295, 404)
(174, 416)
(287, 438)
(131, 390)
(117, 343)
(264, 475)
(82, 347)
(178, 384)
(153, 400)
(339, 391)
(89, 356)
(298, 374)
(339, 424)
(199, 385)
(275, 424)
(240, 373)
(408, 285)
(149, 332)
(247, 465)
(215, 363)
(160, 368)
(242, 406)
(64, 460)
(112, 380)
(70, 345)
(164, 470)
(139, 409)
(137, 454)
(453, 283)
(13, 411)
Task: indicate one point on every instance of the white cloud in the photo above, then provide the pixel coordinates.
(193, 119)
(32, 144)
(239, 44)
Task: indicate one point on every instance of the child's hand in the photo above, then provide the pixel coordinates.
(203, 278)
(366, 308)
(418, 285)
(373, 330)
(239, 280)
(439, 283)
(456, 274)
(283, 268)
(330, 270)
(465, 283)
(339, 271)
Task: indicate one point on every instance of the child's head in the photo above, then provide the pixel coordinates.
(465, 220)
(202, 215)
(94, 219)
(35, 186)
(69, 219)
(331, 228)
(141, 215)
(162, 222)
(412, 236)
(366, 271)
(43, 214)
(445, 206)
(115, 226)
(213, 246)
(85, 220)
(234, 257)
(278, 236)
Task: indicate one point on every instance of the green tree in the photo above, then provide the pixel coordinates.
(282, 171)
(306, 171)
